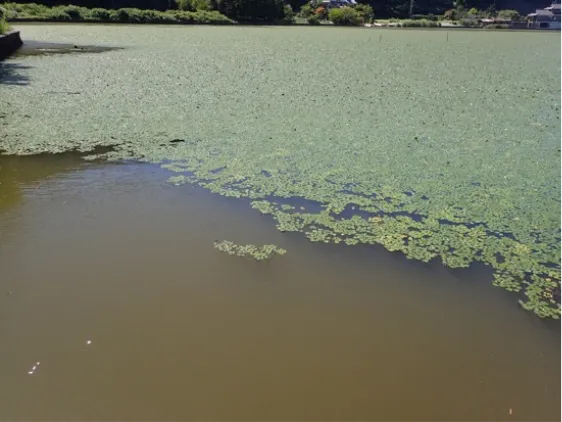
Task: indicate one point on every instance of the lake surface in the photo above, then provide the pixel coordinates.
(115, 255)
(441, 148)
(339, 145)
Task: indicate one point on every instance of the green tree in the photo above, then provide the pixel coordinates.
(313, 20)
(509, 14)
(306, 11)
(366, 12)
(252, 10)
(297, 5)
(345, 16)
(193, 5)
(288, 14)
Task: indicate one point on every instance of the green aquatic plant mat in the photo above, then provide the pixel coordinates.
(438, 149)
(259, 253)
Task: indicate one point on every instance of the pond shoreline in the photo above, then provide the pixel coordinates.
(9, 44)
(280, 24)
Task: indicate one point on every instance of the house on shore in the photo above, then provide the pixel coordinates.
(547, 18)
(331, 4)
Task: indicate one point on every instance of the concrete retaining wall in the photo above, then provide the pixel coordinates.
(9, 43)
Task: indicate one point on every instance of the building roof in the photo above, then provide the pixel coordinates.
(550, 11)
(349, 2)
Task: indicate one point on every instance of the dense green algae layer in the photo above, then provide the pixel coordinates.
(440, 150)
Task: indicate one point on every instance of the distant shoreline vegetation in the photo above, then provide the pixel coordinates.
(4, 27)
(33, 12)
(227, 12)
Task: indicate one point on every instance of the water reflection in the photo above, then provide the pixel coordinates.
(20, 173)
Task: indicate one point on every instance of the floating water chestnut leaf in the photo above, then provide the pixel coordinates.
(259, 253)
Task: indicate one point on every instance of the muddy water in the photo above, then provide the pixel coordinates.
(109, 279)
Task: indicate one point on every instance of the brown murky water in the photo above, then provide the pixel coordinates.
(113, 255)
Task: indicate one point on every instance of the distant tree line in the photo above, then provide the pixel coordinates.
(395, 8)
(238, 10)
(277, 10)
(401, 8)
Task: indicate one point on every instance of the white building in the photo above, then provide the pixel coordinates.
(547, 18)
(329, 4)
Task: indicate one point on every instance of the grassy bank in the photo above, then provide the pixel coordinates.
(37, 12)
(4, 27)
(3, 24)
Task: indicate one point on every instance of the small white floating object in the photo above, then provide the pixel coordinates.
(30, 372)
(38, 363)
(89, 342)
(34, 368)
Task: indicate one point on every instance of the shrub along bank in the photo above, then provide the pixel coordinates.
(180, 11)
(39, 12)
(237, 11)
(3, 24)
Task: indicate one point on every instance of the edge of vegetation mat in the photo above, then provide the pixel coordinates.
(440, 149)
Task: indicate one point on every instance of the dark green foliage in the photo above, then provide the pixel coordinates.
(297, 5)
(391, 9)
(58, 15)
(347, 16)
(289, 16)
(126, 15)
(98, 14)
(509, 14)
(254, 11)
(366, 12)
(34, 11)
(306, 11)
(313, 20)
(193, 5)
(202, 17)
(424, 8)
(75, 13)
(248, 8)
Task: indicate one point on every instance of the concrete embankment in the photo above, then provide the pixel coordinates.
(9, 43)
